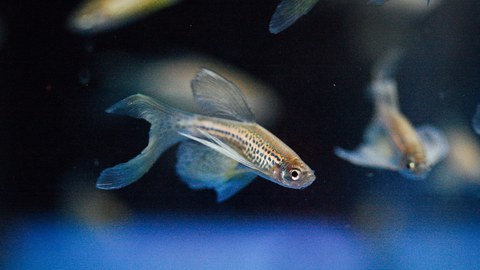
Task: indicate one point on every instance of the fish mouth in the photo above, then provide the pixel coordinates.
(309, 178)
(306, 181)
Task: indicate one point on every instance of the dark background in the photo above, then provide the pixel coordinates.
(53, 123)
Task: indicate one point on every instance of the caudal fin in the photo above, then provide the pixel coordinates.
(386, 67)
(384, 93)
(162, 135)
(383, 87)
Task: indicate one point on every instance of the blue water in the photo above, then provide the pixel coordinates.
(149, 242)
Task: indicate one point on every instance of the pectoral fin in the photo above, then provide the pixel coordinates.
(434, 142)
(377, 151)
(203, 168)
(366, 156)
(219, 146)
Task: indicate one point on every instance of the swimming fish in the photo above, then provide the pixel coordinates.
(390, 141)
(223, 149)
(289, 11)
(94, 16)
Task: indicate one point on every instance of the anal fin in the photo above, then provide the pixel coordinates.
(201, 167)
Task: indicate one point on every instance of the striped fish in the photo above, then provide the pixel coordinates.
(95, 16)
(224, 149)
(391, 141)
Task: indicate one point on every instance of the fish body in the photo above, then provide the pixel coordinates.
(413, 161)
(258, 148)
(95, 16)
(223, 149)
(391, 142)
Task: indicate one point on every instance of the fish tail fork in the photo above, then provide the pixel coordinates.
(163, 134)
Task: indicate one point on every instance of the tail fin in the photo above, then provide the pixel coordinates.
(384, 93)
(162, 135)
(387, 66)
(383, 87)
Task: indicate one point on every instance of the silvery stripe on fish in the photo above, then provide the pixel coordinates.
(261, 149)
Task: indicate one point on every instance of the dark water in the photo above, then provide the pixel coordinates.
(57, 138)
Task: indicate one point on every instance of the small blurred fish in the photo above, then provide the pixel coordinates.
(381, 2)
(476, 120)
(289, 11)
(226, 150)
(94, 16)
(391, 142)
(125, 74)
(462, 164)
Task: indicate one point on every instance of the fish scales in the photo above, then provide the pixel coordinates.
(256, 145)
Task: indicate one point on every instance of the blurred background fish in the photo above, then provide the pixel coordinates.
(391, 142)
(476, 120)
(94, 16)
(289, 11)
(83, 203)
(168, 77)
(460, 175)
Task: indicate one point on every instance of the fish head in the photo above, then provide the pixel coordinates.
(294, 174)
(414, 168)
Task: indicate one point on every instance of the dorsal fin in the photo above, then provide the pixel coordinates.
(219, 97)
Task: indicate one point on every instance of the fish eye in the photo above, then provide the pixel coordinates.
(295, 174)
(411, 165)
